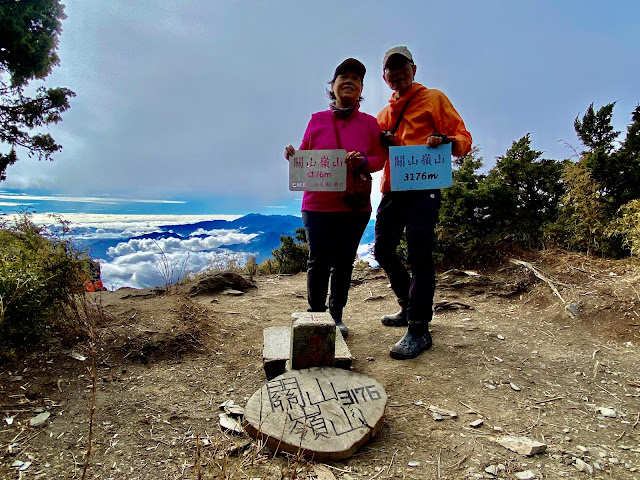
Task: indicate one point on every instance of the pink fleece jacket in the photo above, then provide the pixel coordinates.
(359, 132)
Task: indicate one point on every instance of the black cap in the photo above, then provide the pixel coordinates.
(350, 65)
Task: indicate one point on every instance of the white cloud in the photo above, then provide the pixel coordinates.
(145, 269)
(81, 199)
(172, 244)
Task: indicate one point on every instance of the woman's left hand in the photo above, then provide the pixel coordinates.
(354, 158)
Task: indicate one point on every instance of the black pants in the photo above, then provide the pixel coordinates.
(333, 244)
(417, 211)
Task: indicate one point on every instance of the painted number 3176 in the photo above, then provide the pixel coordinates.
(414, 176)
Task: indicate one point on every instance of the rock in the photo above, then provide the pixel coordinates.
(573, 309)
(514, 387)
(437, 417)
(230, 424)
(232, 409)
(320, 472)
(492, 469)
(522, 445)
(525, 475)
(39, 419)
(442, 411)
(583, 466)
(413, 464)
(77, 356)
(606, 412)
(233, 293)
(219, 282)
(476, 423)
(323, 413)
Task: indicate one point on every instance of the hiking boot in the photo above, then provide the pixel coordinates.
(344, 330)
(398, 319)
(415, 341)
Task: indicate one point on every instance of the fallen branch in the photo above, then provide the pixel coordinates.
(538, 274)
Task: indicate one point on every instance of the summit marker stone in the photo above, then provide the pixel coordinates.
(323, 413)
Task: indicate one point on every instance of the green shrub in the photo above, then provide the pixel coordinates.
(627, 226)
(291, 256)
(251, 267)
(268, 267)
(41, 277)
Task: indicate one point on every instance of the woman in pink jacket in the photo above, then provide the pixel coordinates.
(334, 225)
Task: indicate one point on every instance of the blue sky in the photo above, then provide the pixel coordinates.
(186, 107)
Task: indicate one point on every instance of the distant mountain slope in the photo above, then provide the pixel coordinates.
(269, 229)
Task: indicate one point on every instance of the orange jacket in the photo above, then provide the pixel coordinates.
(430, 111)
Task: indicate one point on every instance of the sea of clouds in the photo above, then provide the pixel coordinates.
(160, 256)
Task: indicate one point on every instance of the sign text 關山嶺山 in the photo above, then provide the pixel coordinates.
(318, 170)
(418, 167)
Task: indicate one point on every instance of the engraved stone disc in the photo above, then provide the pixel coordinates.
(323, 413)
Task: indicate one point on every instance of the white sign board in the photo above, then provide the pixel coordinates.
(418, 167)
(318, 170)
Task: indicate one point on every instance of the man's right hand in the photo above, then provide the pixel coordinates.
(289, 151)
(387, 138)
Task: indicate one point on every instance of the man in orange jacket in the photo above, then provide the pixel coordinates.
(426, 117)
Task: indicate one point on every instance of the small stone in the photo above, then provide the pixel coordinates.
(582, 448)
(476, 423)
(567, 439)
(235, 293)
(489, 386)
(522, 445)
(566, 430)
(514, 387)
(230, 424)
(413, 464)
(498, 429)
(443, 411)
(614, 461)
(492, 469)
(500, 337)
(583, 466)
(525, 475)
(437, 417)
(573, 309)
(39, 419)
(77, 356)
(607, 412)
(24, 466)
(17, 463)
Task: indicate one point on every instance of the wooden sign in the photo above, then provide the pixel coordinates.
(318, 170)
(323, 413)
(418, 167)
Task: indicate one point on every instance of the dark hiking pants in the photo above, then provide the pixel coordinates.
(417, 211)
(333, 239)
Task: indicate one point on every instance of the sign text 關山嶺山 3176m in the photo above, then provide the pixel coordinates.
(318, 170)
(418, 167)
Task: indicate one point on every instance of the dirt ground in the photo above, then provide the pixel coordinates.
(506, 351)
